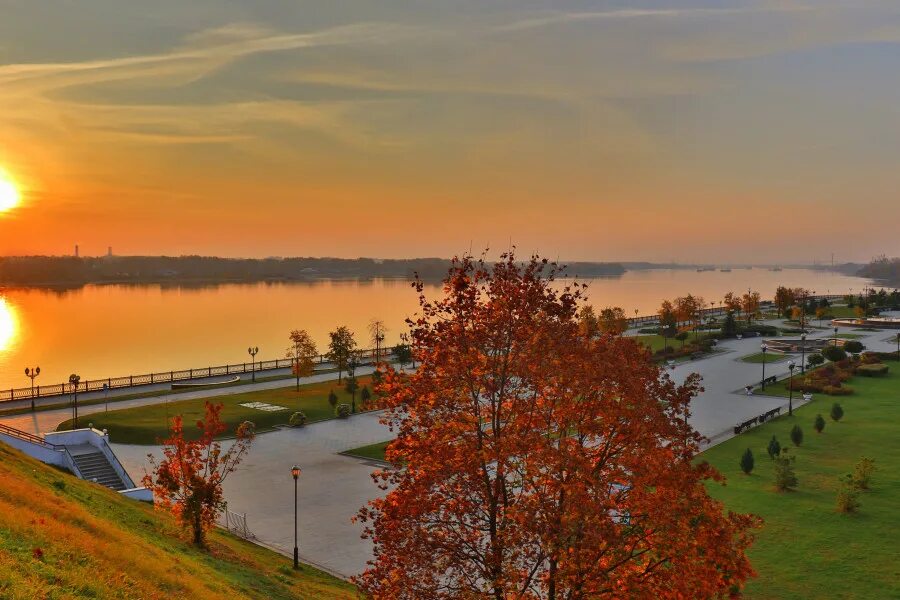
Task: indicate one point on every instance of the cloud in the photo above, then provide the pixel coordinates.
(563, 18)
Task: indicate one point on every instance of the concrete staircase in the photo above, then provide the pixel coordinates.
(94, 466)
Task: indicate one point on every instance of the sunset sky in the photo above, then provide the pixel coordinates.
(653, 130)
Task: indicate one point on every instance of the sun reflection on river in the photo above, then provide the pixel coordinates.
(9, 325)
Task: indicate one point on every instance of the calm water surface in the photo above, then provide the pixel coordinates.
(108, 330)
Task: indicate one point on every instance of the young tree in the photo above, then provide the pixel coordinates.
(821, 311)
(588, 323)
(377, 332)
(747, 461)
(785, 476)
(796, 435)
(784, 300)
(364, 396)
(303, 353)
(819, 423)
(403, 354)
(837, 413)
(681, 337)
(847, 495)
(341, 348)
(732, 302)
(862, 473)
(538, 462)
(332, 399)
(188, 480)
(750, 305)
(729, 326)
(668, 322)
(774, 447)
(613, 321)
(815, 360)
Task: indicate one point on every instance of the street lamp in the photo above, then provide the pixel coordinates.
(74, 380)
(803, 353)
(764, 349)
(791, 366)
(835, 337)
(32, 373)
(252, 351)
(295, 472)
(898, 346)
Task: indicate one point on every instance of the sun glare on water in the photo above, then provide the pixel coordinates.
(9, 193)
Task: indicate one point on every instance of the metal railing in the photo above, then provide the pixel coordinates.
(99, 385)
(25, 436)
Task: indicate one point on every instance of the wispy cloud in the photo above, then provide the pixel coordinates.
(562, 18)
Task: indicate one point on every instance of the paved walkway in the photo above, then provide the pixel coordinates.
(334, 487)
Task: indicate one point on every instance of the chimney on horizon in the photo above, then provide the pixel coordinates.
(76, 251)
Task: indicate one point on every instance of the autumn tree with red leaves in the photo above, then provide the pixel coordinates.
(539, 462)
(188, 480)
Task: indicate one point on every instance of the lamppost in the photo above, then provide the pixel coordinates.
(835, 337)
(74, 380)
(898, 346)
(32, 373)
(764, 349)
(252, 351)
(803, 353)
(791, 367)
(295, 472)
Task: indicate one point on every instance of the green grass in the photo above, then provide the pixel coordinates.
(148, 424)
(769, 358)
(849, 336)
(655, 342)
(61, 537)
(373, 451)
(806, 549)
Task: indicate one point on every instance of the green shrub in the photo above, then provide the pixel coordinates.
(837, 412)
(847, 496)
(747, 461)
(814, 360)
(796, 435)
(785, 476)
(872, 370)
(853, 346)
(862, 473)
(342, 411)
(834, 354)
(774, 448)
(332, 399)
(298, 419)
(819, 423)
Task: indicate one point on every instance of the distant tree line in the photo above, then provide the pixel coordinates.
(70, 270)
(883, 269)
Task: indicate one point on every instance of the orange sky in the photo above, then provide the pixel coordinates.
(716, 131)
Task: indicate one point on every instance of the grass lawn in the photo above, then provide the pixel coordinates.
(655, 342)
(806, 549)
(375, 451)
(758, 358)
(147, 424)
(61, 537)
(849, 336)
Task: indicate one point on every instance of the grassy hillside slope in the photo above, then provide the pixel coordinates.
(61, 537)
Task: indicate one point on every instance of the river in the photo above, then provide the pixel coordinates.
(100, 331)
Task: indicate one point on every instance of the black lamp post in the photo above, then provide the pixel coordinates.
(295, 472)
(252, 351)
(803, 353)
(32, 373)
(898, 346)
(791, 367)
(764, 349)
(74, 380)
(835, 337)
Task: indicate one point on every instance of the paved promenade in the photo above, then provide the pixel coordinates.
(334, 487)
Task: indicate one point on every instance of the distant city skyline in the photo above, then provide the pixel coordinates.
(704, 131)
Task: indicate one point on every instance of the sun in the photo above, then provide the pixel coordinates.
(9, 193)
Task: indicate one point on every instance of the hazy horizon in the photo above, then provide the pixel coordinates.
(653, 131)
